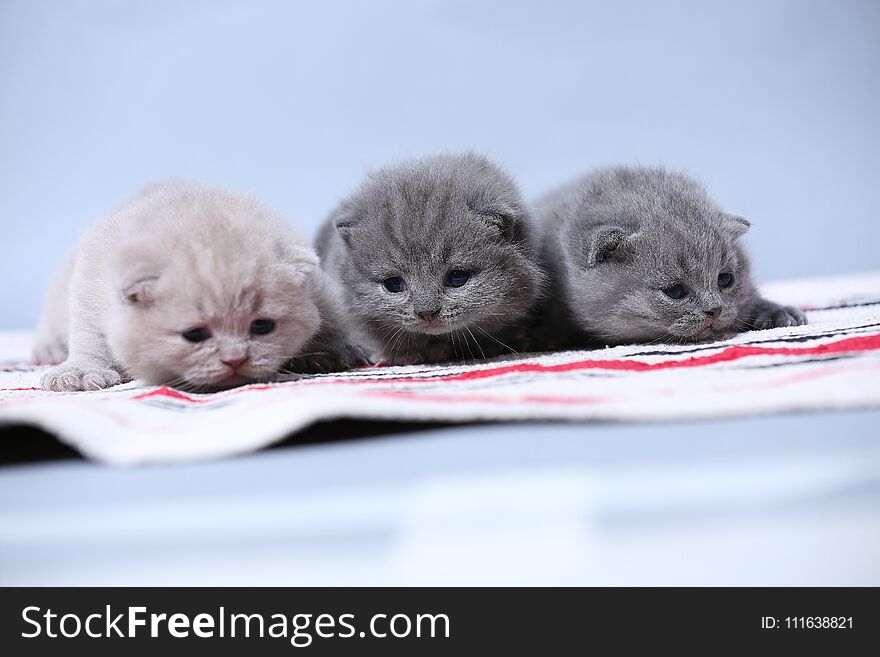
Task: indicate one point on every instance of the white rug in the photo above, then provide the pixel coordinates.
(832, 363)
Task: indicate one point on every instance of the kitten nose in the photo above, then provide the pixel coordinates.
(235, 363)
(714, 312)
(428, 315)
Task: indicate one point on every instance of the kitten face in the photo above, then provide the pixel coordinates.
(648, 257)
(667, 286)
(202, 329)
(435, 248)
(460, 277)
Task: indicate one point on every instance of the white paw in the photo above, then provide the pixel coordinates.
(49, 352)
(70, 378)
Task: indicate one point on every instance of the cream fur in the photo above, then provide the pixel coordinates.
(177, 256)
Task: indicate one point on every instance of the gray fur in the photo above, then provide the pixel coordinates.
(332, 348)
(419, 220)
(617, 237)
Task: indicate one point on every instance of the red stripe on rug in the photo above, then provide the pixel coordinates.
(728, 354)
(171, 393)
(735, 352)
(466, 397)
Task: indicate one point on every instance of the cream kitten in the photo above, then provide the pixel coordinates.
(190, 286)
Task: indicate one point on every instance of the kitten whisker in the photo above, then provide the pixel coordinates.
(477, 342)
(492, 337)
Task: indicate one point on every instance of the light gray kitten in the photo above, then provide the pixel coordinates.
(437, 260)
(643, 254)
(191, 286)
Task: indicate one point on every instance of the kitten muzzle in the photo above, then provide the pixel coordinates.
(432, 327)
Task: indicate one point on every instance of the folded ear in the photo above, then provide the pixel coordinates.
(502, 217)
(299, 262)
(290, 250)
(347, 223)
(141, 292)
(609, 243)
(735, 225)
(302, 256)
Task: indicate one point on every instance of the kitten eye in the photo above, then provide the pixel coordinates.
(394, 284)
(262, 326)
(457, 278)
(198, 334)
(677, 291)
(725, 279)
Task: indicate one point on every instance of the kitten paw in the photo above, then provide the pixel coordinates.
(70, 378)
(337, 362)
(771, 315)
(49, 352)
(333, 360)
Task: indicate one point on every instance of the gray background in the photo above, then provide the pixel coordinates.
(773, 104)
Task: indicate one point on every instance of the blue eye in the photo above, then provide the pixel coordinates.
(677, 291)
(198, 334)
(725, 280)
(394, 284)
(457, 278)
(262, 326)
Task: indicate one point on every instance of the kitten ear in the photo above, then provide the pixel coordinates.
(140, 292)
(608, 243)
(301, 257)
(291, 251)
(298, 262)
(347, 228)
(346, 232)
(500, 217)
(735, 225)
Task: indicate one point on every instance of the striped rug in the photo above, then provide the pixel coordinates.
(832, 363)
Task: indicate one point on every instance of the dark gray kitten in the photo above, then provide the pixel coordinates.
(643, 254)
(437, 260)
